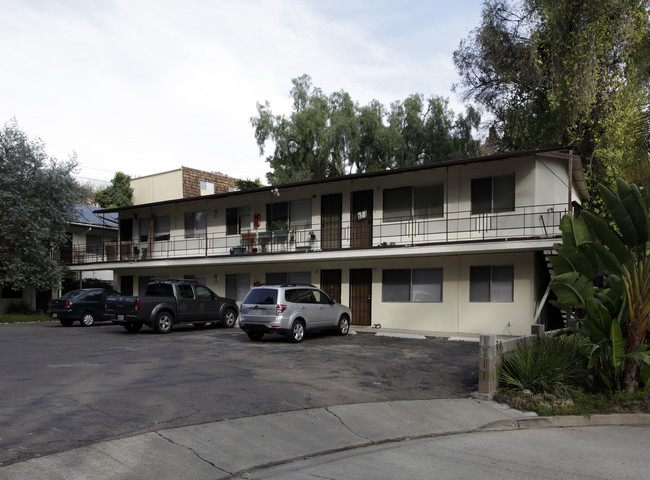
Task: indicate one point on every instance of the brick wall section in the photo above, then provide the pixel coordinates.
(192, 182)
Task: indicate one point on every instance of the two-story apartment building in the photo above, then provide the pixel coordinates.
(454, 247)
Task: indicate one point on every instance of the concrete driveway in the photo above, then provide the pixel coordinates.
(69, 387)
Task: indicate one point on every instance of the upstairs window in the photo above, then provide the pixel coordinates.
(207, 188)
(143, 228)
(238, 220)
(281, 215)
(161, 228)
(414, 202)
(195, 224)
(493, 194)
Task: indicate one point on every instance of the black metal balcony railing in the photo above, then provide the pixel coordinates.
(525, 222)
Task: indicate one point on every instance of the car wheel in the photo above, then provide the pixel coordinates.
(133, 327)
(87, 319)
(255, 336)
(229, 318)
(66, 322)
(344, 326)
(163, 323)
(297, 331)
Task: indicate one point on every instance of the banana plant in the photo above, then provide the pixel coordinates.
(618, 258)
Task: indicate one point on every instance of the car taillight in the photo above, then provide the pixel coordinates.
(68, 304)
(138, 304)
(279, 309)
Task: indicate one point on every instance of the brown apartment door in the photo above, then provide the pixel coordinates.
(331, 212)
(361, 295)
(330, 283)
(361, 219)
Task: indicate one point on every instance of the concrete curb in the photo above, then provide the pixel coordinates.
(224, 449)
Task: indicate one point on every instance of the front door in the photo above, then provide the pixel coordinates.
(361, 295)
(331, 212)
(361, 220)
(330, 283)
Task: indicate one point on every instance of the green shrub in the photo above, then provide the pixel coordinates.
(18, 308)
(554, 365)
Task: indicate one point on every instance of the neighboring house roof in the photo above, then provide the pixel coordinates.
(557, 152)
(85, 216)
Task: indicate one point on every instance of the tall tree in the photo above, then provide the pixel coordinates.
(564, 73)
(332, 135)
(38, 195)
(118, 194)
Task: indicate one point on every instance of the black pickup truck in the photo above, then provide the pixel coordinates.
(170, 301)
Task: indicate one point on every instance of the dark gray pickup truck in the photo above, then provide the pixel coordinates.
(170, 301)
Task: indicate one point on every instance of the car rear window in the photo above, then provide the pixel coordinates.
(72, 294)
(262, 296)
(159, 290)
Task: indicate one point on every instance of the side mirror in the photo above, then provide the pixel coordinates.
(332, 301)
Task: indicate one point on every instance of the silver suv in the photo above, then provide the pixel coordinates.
(291, 310)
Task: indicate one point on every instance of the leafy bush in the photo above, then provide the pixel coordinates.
(18, 308)
(552, 365)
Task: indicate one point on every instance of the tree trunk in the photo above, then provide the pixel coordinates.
(630, 383)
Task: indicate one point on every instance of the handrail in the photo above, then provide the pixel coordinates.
(540, 221)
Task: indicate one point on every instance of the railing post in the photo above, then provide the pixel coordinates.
(537, 329)
(487, 370)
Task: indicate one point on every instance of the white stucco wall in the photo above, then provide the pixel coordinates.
(158, 188)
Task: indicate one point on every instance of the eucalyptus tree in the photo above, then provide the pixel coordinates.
(332, 135)
(38, 196)
(565, 73)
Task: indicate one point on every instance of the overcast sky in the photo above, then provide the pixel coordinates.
(147, 86)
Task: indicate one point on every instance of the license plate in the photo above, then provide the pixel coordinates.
(55, 315)
(256, 311)
(120, 317)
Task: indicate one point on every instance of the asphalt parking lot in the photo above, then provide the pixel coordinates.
(68, 387)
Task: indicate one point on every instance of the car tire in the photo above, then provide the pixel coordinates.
(229, 318)
(297, 331)
(87, 319)
(66, 322)
(255, 336)
(163, 323)
(344, 326)
(133, 327)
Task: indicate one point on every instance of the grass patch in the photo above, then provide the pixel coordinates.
(21, 318)
(587, 404)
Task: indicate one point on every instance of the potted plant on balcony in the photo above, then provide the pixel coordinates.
(265, 238)
(248, 239)
(282, 232)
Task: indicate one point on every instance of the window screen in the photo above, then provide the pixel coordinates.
(161, 227)
(397, 203)
(280, 278)
(195, 224)
(143, 226)
(416, 285)
(491, 283)
(238, 220)
(493, 194)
